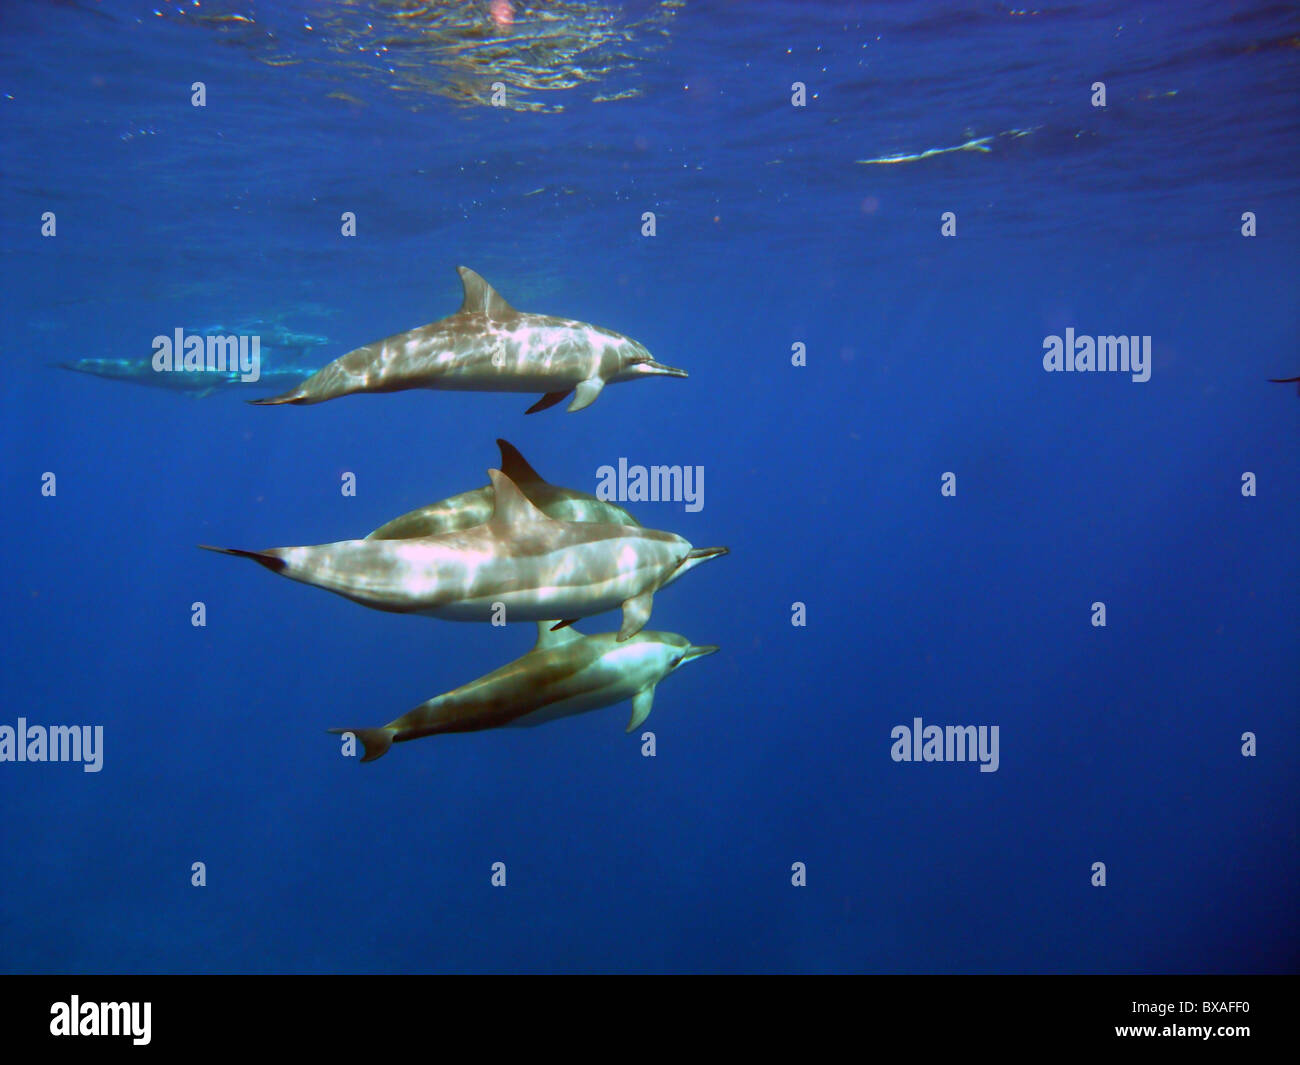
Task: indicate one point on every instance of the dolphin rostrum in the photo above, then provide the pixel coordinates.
(475, 507)
(487, 346)
(565, 673)
(534, 566)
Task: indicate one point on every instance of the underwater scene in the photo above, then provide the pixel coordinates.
(801, 487)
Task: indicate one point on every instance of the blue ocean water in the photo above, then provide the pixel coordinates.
(1120, 744)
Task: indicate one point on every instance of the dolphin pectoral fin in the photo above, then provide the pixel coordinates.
(562, 624)
(585, 394)
(549, 400)
(641, 703)
(376, 741)
(636, 612)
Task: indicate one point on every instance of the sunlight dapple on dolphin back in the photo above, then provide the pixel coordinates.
(519, 560)
(565, 673)
(475, 507)
(487, 346)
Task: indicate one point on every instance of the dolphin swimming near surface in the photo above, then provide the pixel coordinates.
(475, 507)
(487, 346)
(565, 673)
(1287, 381)
(535, 566)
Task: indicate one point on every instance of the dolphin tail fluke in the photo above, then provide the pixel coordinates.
(292, 396)
(376, 741)
(272, 562)
(549, 400)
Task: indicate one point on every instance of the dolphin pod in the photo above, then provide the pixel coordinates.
(487, 346)
(536, 551)
(533, 566)
(565, 673)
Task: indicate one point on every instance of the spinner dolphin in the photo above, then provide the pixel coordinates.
(565, 673)
(487, 346)
(519, 559)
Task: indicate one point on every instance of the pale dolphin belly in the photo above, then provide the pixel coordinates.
(544, 604)
(576, 704)
(535, 579)
(473, 381)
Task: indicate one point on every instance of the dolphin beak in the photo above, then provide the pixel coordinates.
(703, 554)
(694, 651)
(696, 556)
(658, 369)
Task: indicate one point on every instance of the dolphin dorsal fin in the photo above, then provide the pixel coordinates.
(548, 636)
(515, 466)
(511, 506)
(480, 297)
